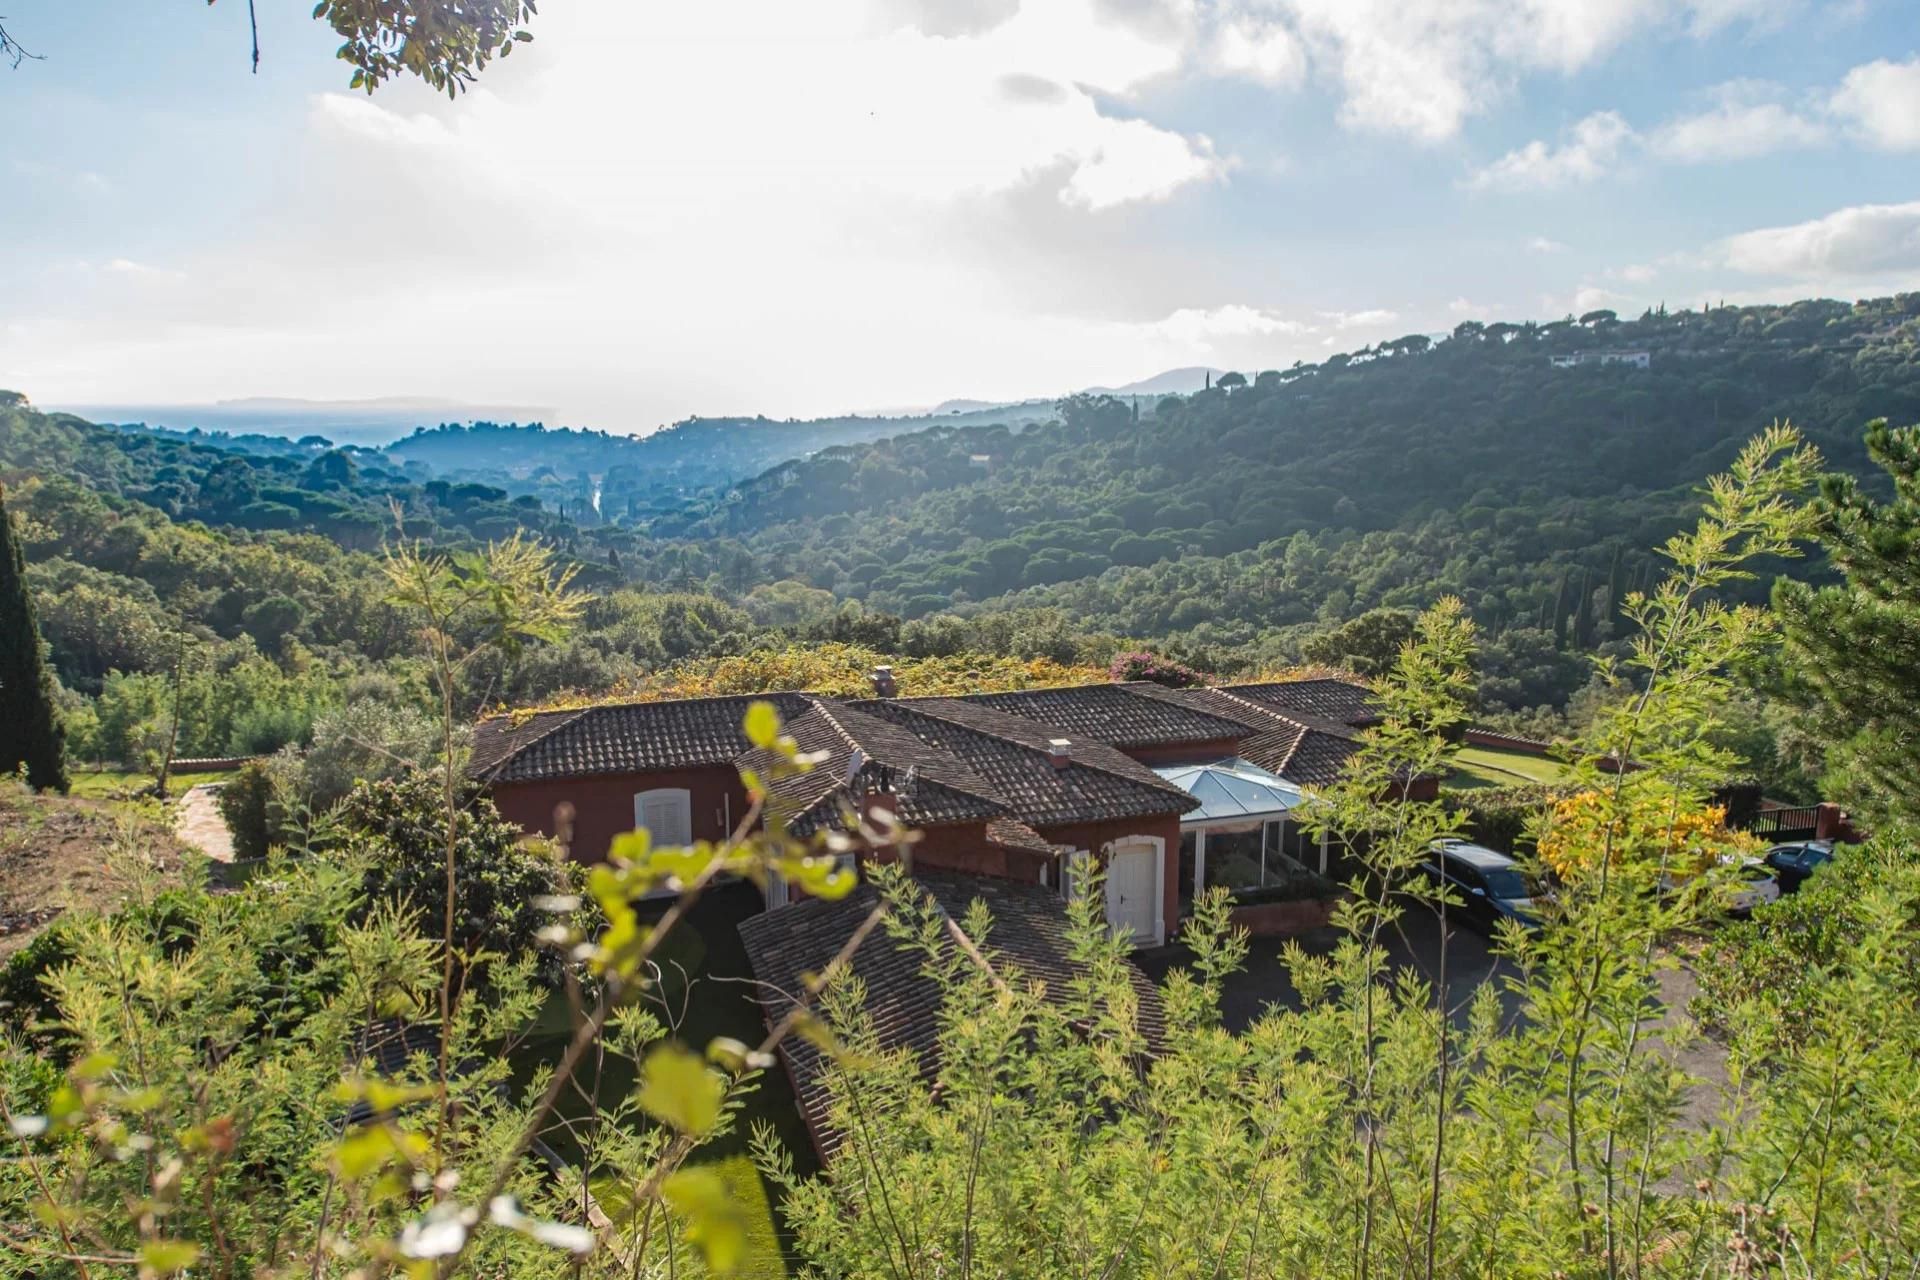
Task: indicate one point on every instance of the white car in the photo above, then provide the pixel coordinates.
(1744, 885)
(1753, 886)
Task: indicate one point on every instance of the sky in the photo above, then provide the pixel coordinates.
(801, 207)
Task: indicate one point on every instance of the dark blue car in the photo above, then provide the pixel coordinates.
(1792, 864)
(1488, 884)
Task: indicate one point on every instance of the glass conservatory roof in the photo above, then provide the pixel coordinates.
(1231, 790)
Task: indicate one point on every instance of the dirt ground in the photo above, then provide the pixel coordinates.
(58, 853)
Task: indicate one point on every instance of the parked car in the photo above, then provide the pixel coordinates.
(1490, 885)
(1753, 886)
(1793, 863)
(1741, 885)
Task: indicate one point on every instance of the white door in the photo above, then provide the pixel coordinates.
(1133, 892)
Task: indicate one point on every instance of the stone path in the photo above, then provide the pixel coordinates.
(197, 821)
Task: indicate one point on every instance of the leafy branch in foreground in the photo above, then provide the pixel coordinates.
(447, 43)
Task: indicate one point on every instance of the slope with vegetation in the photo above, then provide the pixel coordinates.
(1257, 512)
(313, 1075)
(1300, 516)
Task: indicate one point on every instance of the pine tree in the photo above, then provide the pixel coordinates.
(30, 731)
(1858, 645)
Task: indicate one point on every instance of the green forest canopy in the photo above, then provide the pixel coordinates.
(1233, 528)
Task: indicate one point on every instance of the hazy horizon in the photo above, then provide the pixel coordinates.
(753, 207)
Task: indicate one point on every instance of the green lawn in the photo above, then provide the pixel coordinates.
(110, 784)
(1478, 767)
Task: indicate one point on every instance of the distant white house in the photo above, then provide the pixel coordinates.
(1638, 359)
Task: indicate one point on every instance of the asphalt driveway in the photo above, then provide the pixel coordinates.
(1413, 943)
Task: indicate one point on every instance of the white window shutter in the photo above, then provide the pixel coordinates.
(666, 815)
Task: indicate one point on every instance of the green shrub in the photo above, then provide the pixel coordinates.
(1497, 817)
(1768, 977)
(247, 802)
(398, 826)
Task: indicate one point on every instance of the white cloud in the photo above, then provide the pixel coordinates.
(1423, 69)
(1589, 297)
(1368, 319)
(1638, 273)
(1265, 52)
(1541, 244)
(1881, 101)
(1743, 124)
(128, 268)
(1589, 152)
(363, 120)
(1862, 241)
(1201, 329)
(1127, 160)
(683, 208)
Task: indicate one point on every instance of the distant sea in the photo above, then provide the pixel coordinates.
(370, 423)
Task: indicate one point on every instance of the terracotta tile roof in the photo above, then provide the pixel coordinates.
(1099, 783)
(1341, 701)
(1028, 939)
(633, 737)
(1126, 715)
(1305, 751)
(972, 758)
(933, 787)
(1252, 716)
(1012, 834)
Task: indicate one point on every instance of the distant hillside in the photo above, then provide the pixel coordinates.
(256, 483)
(596, 476)
(1476, 465)
(1172, 382)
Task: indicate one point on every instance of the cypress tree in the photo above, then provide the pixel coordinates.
(1560, 612)
(1583, 612)
(30, 731)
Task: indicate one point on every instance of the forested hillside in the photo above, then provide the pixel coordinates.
(1292, 516)
(1240, 515)
(596, 477)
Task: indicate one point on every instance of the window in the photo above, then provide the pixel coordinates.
(1239, 859)
(1073, 871)
(1506, 882)
(1234, 858)
(665, 814)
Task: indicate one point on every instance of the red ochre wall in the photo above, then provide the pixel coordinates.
(603, 808)
(1092, 836)
(964, 847)
(603, 804)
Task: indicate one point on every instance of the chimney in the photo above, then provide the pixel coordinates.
(883, 685)
(1060, 752)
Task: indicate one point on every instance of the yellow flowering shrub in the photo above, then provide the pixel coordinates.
(1646, 825)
